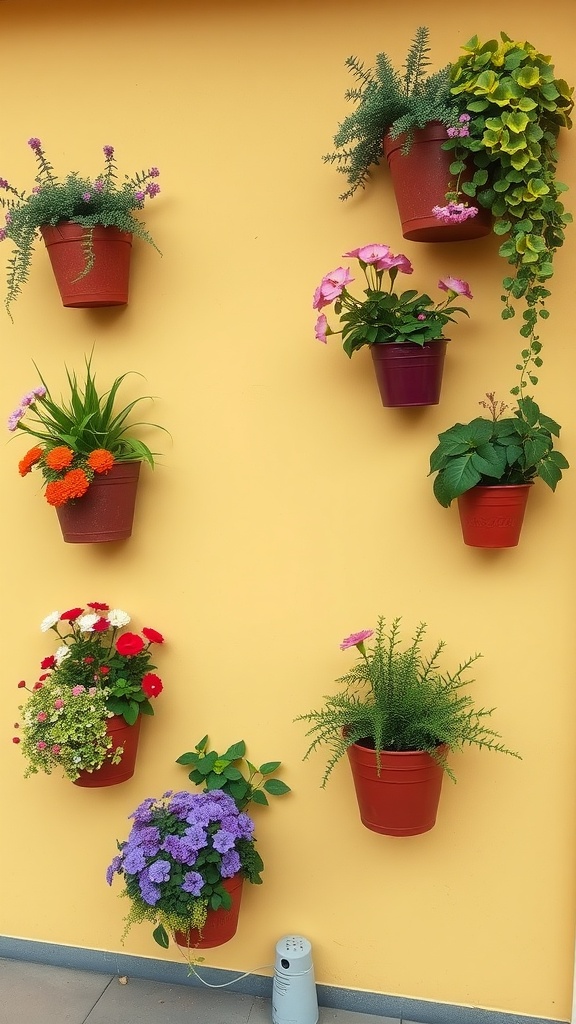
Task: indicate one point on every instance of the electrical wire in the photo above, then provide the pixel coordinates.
(225, 984)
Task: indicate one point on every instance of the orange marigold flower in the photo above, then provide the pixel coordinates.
(75, 484)
(29, 460)
(56, 493)
(100, 460)
(59, 458)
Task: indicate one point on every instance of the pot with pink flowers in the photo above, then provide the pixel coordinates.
(405, 331)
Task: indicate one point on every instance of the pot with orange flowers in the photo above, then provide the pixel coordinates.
(89, 464)
(84, 711)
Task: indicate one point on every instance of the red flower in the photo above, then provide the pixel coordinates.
(129, 643)
(29, 460)
(48, 662)
(98, 607)
(38, 686)
(21, 684)
(100, 460)
(45, 676)
(15, 739)
(152, 684)
(88, 660)
(152, 635)
(104, 670)
(71, 614)
(101, 625)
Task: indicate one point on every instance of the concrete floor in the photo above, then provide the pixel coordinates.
(37, 994)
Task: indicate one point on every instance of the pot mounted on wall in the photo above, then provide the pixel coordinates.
(409, 374)
(106, 284)
(106, 511)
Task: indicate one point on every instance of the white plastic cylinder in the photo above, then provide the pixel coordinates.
(294, 999)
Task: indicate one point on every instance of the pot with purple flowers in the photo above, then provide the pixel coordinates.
(405, 331)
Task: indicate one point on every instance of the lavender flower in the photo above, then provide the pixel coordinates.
(153, 172)
(245, 826)
(86, 196)
(196, 836)
(152, 189)
(35, 144)
(222, 841)
(193, 883)
(108, 152)
(150, 892)
(230, 864)
(159, 871)
(143, 813)
(114, 868)
(134, 860)
(14, 419)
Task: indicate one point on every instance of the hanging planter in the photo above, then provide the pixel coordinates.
(125, 739)
(492, 517)
(220, 925)
(421, 178)
(106, 511)
(401, 797)
(409, 374)
(106, 284)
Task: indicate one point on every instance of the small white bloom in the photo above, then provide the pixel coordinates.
(117, 618)
(86, 622)
(61, 653)
(49, 621)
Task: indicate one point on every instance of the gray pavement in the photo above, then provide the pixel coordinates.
(38, 994)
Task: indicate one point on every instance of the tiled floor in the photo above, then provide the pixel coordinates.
(36, 994)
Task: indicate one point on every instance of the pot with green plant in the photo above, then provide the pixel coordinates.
(87, 225)
(90, 464)
(405, 332)
(489, 466)
(83, 713)
(398, 718)
(406, 117)
(188, 854)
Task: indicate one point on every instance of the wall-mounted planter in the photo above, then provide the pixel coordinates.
(107, 282)
(402, 799)
(492, 517)
(125, 736)
(421, 179)
(220, 925)
(106, 511)
(409, 374)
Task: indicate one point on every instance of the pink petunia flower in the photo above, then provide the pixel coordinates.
(331, 287)
(369, 253)
(356, 638)
(58, 704)
(401, 262)
(454, 213)
(321, 328)
(455, 285)
(77, 690)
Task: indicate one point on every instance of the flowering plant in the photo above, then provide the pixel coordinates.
(98, 670)
(383, 316)
(79, 436)
(85, 201)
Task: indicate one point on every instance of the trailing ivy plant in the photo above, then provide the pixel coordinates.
(221, 771)
(517, 107)
(389, 101)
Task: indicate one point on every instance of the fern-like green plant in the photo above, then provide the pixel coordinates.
(397, 699)
(393, 102)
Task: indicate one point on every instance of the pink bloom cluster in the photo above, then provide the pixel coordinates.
(455, 285)
(28, 399)
(355, 639)
(454, 213)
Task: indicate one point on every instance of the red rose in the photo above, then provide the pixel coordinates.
(98, 607)
(101, 625)
(88, 660)
(48, 662)
(104, 670)
(129, 643)
(70, 615)
(152, 635)
(152, 684)
(21, 684)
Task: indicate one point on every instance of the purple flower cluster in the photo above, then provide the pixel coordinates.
(180, 830)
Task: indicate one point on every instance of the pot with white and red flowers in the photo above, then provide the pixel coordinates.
(89, 463)
(84, 711)
(405, 332)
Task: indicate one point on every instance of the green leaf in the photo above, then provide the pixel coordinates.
(269, 767)
(232, 773)
(549, 473)
(131, 713)
(189, 758)
(259, 797)
(160, 936)
(234, 752)
(276, 787)
(459, 476)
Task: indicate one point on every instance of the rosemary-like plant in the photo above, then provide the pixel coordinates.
(397, 699)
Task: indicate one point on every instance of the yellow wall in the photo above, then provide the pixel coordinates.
(290, 508)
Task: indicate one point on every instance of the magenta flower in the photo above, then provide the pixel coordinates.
(41, 717)
(58, 704)
(108, 152)
(421, 316)
(464, 117)
(321, 328)
(98, 185)
(355, 639)
(401, 262)
(139, 196)
(152, 189)
(153, 172)
(86, 196)
(4, 183)
(456, 286)
(35, 144)
(41, 745)
(77, 690)
(36, 189)
(369, 253)
(3, 234)
(14, 419)
(454, 213)
(331, 287)
(56, 749)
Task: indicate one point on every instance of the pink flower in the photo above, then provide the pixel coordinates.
(464, 117)
(356, 638)
(41, 717)
(56, 749)
(421, 316)
(454, 213)
(401, 262)
(77, 690)
(58, 704)
(452, 133)
(331, 287)
(321, 328)
(40, 745)
(455, 285)
(369, 253)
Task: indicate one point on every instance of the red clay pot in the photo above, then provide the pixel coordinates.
(107, 282)
(220, 925)
(106, 511)
(403, 799)
(421, 179)
(123, 735)
(492, 517)
(409, 374)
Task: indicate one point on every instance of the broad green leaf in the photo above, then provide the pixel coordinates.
(549, 473)
(189, 758)
(276, 787)
(269, 767)
(131, 713)
(232, 773)
(259, 797)
(516, 122)
(459, 476)
(527, 77)
(160, 936)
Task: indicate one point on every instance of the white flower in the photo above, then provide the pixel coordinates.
(49, 621)
(61, 653)
(86, 622)
(117, 618)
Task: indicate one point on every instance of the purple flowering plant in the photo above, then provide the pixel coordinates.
(103, 200)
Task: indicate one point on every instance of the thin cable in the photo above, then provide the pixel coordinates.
(225, 984)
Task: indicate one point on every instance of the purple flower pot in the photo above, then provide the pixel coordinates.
(409, 374)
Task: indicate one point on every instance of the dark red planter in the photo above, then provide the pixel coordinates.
(409, 374)
(106, 511)
(123, 735)
(421, 179)
(492, 517)
(220, 925)
(107, 282)
(403, 799)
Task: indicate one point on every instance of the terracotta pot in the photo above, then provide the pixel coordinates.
(409, 374)
(421, 179)
(123, 735)
(106, 511)
(107, 282)
(492, 517)
(220, 925)
(403, 799)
